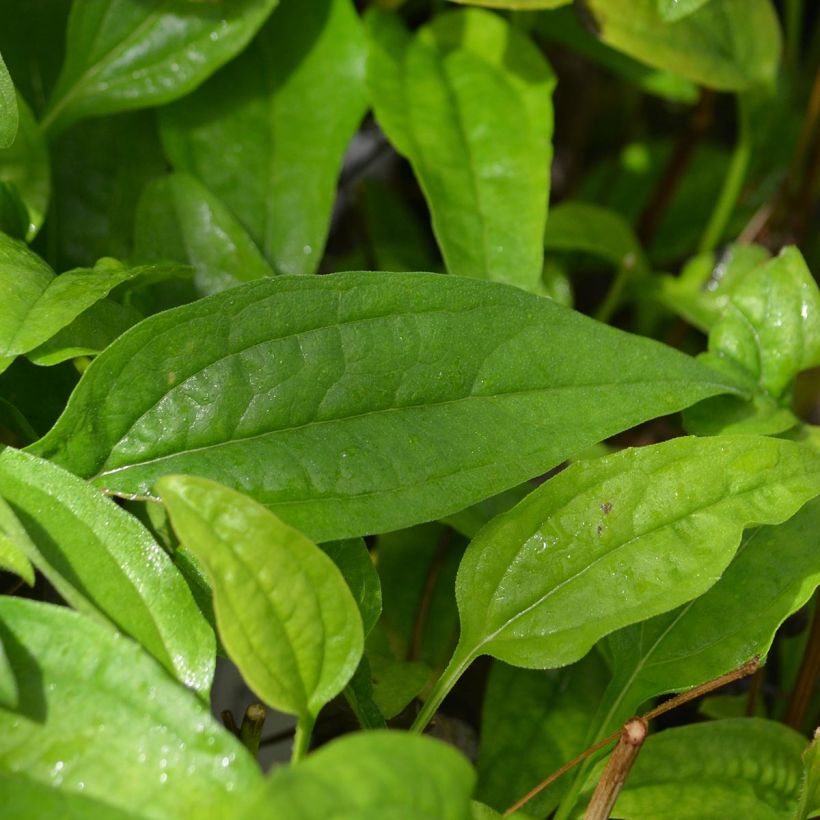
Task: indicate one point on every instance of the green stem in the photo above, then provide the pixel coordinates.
(732, 184)
(301, 740)
(612, 300)
(449, 677)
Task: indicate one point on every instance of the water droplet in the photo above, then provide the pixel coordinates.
(163, 778)
(307, 250)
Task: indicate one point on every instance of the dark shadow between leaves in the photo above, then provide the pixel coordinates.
(31, 699)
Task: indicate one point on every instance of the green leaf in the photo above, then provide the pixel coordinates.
(301, 98)
(523, 5)
(178, 218)
(742, 767)
(9, 117)
(13, 542)
(613, 541)
(39, 304)
(284, 612)
(729, 45)
(532, 723)
(359, 695)
(809, 805)
(126, 54)
(775, 572)
(468, 101)
(309, 392)
(372, 774)
(100, 719)
(672, 10)
(353, 559)
(101, 560)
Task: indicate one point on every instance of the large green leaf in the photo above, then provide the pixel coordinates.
(287, 107)
(468, 101)
(730, 45)
(178, 218)
(615, 540)
(775, 572)
(284, 612)
(376, 774)
(126, 54)
(101, 560)
(741, 767)
(361, 402)
(9, 117)
(100, 719)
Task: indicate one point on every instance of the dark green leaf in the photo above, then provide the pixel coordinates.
(9, 117)
(352, 558)
(101, 560)
(13, 212)
(286, 108)
(613, 541)
(468, 101)
(357, 402)
(730, 45)
(360, 697)
(372, 774)
(100, 719)
(178, 218)
(126, 54)
(284, 612)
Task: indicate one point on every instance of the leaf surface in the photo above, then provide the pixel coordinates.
(101, 560)
(467, 100)
(352, 558)
(126, 54)
(302, 98)
(13, 544)
(359, 402)
(284, 612)
(99, 719)
(809, 803)
(9, 117)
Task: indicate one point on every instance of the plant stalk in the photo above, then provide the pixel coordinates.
(449, 677)
(250, 732)
(301, 740)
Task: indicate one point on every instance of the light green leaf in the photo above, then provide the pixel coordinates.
(126, 54)
(532, 723)
(101, 560)
(358, 402)
(284, 612)
(522, 5)
(775, 572)
(9, 117)
(742, 767)
(613, 541)
(302, 98)
(729, 45)
(99, 719)
(178, 218)
(809, 804)
(372, 774)
(353, 559)
(25, 165)
(13, 542)
(468, 101)
(672, 10)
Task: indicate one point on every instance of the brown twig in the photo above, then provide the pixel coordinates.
(801, 694)
(617, 769)
(250, 732)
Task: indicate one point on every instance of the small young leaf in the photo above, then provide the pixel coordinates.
(730, 45)
(101, 560)
(809, 803)
(615, 540)
(99, 718)
(9, 117)
(180, 219)
(302, 98)
(279, 387)
(373, 774)
(284, 612)
(468, 101)
(126, 54)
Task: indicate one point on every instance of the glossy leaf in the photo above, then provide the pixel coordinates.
(284, 612)
(178, 218)
(613, 541)
(729, 45)
(375, 774)
(100, 719)
(126, 54)
(809, 803)
(279, 388)
(774, 574)
(532, 723)
(468, 101)
(12, 550)
(743, 767)
(672, 10)
(101, 560)
(9, 118)
(287, 107)
(353, 559)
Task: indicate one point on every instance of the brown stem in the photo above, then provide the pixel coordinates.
(230, 723)
(250, 732)
(801, 695)
(617, 769)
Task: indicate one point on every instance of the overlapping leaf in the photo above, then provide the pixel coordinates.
(9, 117)
(360, 403)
